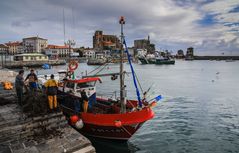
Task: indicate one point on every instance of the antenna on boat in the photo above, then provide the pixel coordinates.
(122, 86)
(64, 28)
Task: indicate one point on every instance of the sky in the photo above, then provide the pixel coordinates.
(211, 27)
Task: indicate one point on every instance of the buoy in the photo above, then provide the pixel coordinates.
(74, 119)
(118, 123)
(79, 124)
(153, 104)
(7, 85)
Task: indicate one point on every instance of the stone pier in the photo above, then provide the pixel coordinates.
(45, 133)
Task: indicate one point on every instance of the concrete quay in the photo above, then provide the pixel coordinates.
(45, 133)
(7, 75)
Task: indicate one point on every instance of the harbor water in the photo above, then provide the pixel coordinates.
(198, 112)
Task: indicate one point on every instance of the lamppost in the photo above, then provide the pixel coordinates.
(70, 43)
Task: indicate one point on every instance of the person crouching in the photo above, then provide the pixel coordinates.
(51, 91)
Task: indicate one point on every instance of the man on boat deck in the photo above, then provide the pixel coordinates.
(32, 79)
(51, 91)
(85, 100)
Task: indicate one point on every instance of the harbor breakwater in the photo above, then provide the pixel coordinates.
(21, 64)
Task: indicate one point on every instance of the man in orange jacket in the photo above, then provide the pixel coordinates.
(51, 91)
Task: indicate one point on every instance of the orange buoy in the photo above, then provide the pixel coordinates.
(118, 123)
(153, 104)
(74, 119)
(7, 85)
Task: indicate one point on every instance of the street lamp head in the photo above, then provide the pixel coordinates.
(122, 21)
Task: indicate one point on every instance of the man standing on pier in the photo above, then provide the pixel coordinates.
(19, 84)
(32, 79)
(51, 91)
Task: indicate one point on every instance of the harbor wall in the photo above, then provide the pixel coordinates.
(216, 57)
(21, 64)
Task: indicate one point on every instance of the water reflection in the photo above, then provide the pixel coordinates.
(111, 146)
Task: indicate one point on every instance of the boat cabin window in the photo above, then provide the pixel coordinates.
(70, 84)
(85, 85)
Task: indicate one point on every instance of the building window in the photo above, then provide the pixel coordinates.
(39, 57)
(26, 57)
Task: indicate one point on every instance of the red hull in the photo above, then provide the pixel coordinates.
(112, 125)
(103, 125)
(110, 132)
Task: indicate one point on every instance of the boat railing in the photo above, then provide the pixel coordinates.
(109, 95)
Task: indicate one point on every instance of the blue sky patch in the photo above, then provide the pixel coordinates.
(207, 20)
(234, 10)
(231, 24)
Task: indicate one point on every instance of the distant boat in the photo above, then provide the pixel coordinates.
(230, 60)
(143, 59)
(46, 66)
(96, 61)
(164, 60)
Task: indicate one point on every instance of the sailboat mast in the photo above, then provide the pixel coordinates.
(122, 86)
(64, 28)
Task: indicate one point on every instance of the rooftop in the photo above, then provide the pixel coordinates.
(34, 38)
(16, 43)
(30, 54)
(57, 47)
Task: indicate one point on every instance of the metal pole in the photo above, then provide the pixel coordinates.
(2, 59)
(122, 86)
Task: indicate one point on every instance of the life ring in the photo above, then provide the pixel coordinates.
(73, 65)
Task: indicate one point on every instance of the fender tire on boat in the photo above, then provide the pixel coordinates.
(79, 124)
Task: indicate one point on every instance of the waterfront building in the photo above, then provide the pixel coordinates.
(189, 54)
(30, 57)
(144, 44)
(14, 47)
(131, 51)
(180, 54)
(55, 51)
(34, 44)
(3, 49)
(89, 53)
(105, 42)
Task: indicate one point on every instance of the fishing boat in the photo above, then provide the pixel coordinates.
(164, 60)
(96, 61)
(104, 117)
(99, 59)
(148, 59)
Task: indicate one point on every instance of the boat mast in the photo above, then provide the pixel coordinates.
(122, 86)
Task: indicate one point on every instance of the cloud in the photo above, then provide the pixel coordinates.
(207, 25)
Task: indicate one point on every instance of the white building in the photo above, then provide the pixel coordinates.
(15, 47)
(31, 57)
(3, 49)
(34, 44)
(89, 53)
(54, 51)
